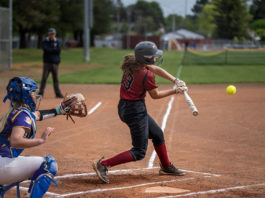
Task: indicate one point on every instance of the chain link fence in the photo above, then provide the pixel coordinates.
(5, 55)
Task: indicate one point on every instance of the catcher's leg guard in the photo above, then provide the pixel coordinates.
(42, 178)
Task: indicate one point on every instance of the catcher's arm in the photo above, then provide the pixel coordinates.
(72, 105)
(45, 114)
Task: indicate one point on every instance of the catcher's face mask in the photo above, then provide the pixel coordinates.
(36, 98)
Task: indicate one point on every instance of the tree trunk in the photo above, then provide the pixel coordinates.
(39, 40)
(22, 40)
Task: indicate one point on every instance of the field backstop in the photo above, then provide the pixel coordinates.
(5, 51)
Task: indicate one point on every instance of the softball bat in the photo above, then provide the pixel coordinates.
(191, 104)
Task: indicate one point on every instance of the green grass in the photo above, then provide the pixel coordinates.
(105, 67)
(27, 55)
(225, 58)
(223, 74)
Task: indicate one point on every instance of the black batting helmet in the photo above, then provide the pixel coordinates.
(145, 52)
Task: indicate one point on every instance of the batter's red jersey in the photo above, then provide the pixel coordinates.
(135, 85)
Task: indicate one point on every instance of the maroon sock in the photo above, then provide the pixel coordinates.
(161, 151)
(118, 159)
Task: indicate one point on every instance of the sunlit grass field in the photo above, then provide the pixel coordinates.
(104, 67)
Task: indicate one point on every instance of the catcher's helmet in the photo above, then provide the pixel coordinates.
(19, 89)
(145, 52)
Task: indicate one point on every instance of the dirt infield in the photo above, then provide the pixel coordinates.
(222, 150)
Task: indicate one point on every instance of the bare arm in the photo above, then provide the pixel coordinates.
(156, 94)
(37, 115)
(161, 72)
(18, 141)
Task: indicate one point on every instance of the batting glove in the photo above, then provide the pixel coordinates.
(180, 90)
(180, 83)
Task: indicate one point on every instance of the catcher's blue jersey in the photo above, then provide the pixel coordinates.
(20, 117)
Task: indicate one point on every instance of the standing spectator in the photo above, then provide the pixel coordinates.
(51, 59)
(186, 45)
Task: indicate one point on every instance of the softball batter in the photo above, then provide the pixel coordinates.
(17, 132)
(138, 69)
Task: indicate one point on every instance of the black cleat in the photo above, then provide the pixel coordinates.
(171, 170)
(101, 170)
(59, 95)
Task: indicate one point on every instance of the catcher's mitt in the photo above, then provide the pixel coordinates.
(73, 105)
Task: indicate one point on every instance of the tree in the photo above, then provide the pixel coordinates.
(190, 23)
(206, 20)
(32, 17)
(231, 19)
(71, 19)
(169, 20)
(259, 27)
(198, 7)
(257, 9)
(147, 11)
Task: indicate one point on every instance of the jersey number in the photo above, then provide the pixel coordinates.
(127, 81)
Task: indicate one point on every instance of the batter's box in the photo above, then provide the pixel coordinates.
(89, 181)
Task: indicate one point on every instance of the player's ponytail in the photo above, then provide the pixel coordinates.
(130, 64)
(3, 119)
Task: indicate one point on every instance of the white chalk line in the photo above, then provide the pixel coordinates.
(214, 191)
(164, 122)
(125, 171)
(113, 172)
(94, 108)
(179, 71)
(47, 193)
(124, 187)
(133, 186)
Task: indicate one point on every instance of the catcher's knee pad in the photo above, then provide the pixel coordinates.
(138, 153)
(43, 177)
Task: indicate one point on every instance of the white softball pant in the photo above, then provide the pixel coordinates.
(17, 169)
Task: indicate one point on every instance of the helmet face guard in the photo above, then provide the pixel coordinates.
(145, 52)
(159, 60)
(20, 89)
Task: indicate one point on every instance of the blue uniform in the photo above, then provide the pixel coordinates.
(20, 117)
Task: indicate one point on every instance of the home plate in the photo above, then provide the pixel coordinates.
(164, 189)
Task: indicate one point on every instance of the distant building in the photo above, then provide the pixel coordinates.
(112, 41)
(181, 39)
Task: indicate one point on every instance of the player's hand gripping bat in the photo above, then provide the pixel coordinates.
(180, 83)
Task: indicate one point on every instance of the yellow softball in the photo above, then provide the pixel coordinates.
(231, 89)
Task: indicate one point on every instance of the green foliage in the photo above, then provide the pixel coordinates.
(169, 20)
(259, 27)
(206, 20)
(231, 18)
(71, 16)
(257, 9)
(198, 7)
(146, 16)
(103, 11)
(190, 23)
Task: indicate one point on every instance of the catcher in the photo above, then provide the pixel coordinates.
(17, 132)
